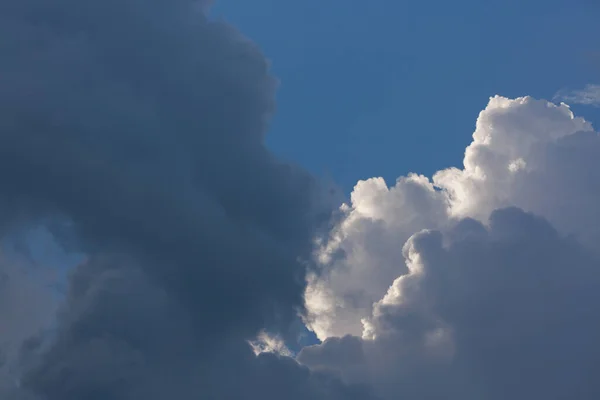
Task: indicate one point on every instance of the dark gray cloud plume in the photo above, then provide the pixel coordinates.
(141, 123)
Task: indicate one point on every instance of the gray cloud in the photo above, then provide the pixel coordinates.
(141, 124)
(507, 311)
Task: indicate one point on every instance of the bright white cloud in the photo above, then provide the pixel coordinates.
(364, 253)
(525, 152)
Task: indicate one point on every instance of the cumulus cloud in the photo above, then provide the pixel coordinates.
(525, 152)
(139, 127)
(589, 95)
(364, 253)
(494, 311)
(492, 270)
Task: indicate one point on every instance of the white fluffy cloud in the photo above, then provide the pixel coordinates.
(525, 152)
(481, 283)
(364, 254)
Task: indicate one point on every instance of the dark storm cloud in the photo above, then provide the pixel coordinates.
(142, 123)
(508, 311)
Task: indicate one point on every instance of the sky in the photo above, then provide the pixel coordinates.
(171, 228)
(358, 78)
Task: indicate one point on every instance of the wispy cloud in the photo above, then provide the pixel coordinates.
(589, 95)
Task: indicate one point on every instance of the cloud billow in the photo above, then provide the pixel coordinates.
(493, 269)
(505, 311)
(140, 127)
(525, 152)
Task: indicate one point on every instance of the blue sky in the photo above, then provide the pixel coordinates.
(385, 87)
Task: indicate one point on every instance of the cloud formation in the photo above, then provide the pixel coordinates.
(500, 311)
(525, 152)
(492, 270)
(134, 132)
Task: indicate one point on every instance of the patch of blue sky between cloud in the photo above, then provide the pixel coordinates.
(589, 95)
